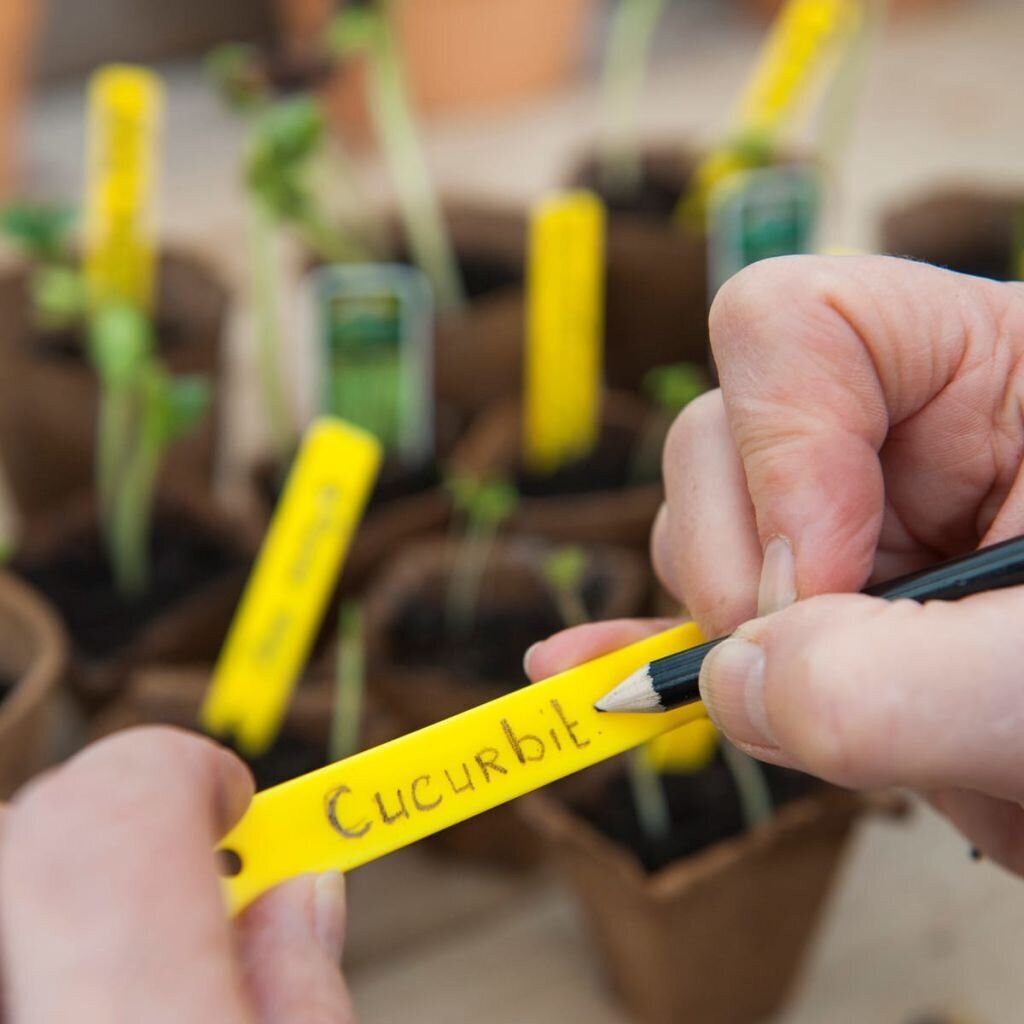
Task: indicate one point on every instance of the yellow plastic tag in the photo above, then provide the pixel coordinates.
(312, 528)
(382, 799)
(125, 106)
(564, 330)
(804, 35)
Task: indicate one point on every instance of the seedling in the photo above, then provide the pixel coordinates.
(564, 570)
(483, 506)
(349, 683)
(629, 42)
(143, 410)
(366, 29)
(670, 389)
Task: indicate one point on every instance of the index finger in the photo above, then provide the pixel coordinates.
(834, 369)
(110, 902)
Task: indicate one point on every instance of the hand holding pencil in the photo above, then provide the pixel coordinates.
(869, 425)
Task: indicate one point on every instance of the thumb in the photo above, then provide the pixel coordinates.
(866, 692)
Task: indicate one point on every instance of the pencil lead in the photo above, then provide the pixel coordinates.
(635, 693)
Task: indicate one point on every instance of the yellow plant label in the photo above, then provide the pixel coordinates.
(284, 600)
(805, 35)
(564, 350)
(125, 108)
(390, 796)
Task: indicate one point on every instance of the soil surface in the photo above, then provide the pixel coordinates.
(483, 274)
(705, 809)
(609, 467)
(79, 582)
(655, 198)
(69, 344)
(6, 685)
(289, 757)
(492, 654)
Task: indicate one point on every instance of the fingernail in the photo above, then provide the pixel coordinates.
(527, 656)
(732, 688)
(329, 913)
(778, 577)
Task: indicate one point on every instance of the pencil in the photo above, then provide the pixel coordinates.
(672, 681)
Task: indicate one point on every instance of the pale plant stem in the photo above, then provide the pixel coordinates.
(748, 775)
(649, 799)
(349, 684)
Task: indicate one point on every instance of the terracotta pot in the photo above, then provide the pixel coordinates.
(49, 393)
(418, 694)
(33, 657)
(656, 284)
(966, 229)
(62, 555)
(622, 516)
(18, 21)
(459, 55)
(661, 936)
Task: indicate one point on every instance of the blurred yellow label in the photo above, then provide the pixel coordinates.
(804, 36)
(125, 113)
(284, 600)
(564, 349)
(382, 799)
(686, 750)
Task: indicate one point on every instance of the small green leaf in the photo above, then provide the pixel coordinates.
(354, 30)
(235, 72)
(565, 567)
(482, 501)
(120, 343)
(60, 295)
(186, 400)
(672, 388)
(42, 230)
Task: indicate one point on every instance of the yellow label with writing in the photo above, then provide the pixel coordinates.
(125, 109)
(284, 600)
(805, 35)
(564, 347)
(390, 796)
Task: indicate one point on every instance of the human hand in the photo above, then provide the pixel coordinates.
(110, 902)
(870, 422)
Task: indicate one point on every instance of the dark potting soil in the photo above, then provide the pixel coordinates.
(6, 685)
(655, 197)
(289, 757)
(69, 344)
(705, 809)
(79, 582)
(483, 273)
(492, 654)
(609, 467)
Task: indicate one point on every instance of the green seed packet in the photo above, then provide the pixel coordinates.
(757, 214)
(375, 329)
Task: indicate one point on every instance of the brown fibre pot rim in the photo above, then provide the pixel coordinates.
(48, 658)
(830, 806)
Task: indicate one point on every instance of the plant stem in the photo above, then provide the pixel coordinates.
(334, 246)
(471, 560)
(349, 683)
(645, 463)
(652, 810)
(748, 775)
(265, 299)
(571, 607)
(133, 512)
(114, 431)
(428, 237)
(629, 44)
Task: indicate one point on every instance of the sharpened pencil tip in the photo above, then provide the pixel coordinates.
(634, 693)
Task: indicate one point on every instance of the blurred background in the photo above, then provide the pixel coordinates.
(509, 97)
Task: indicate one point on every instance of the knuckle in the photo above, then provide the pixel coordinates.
(705, 413)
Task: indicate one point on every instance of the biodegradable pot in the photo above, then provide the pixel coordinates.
(591, 502)
(970, 230)
(49, 392)
(33, 657)
(656, 284)
(18, 21)
(661, 936)
(201, 560)
(457, 55)
(421, 677)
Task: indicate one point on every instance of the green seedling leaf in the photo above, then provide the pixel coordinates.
(673, 387)
(354, 30)
(41, 230)
(235, 72)
(565, 567)
(120, 344)
(60, 295)
(186, 401)
(483, 502)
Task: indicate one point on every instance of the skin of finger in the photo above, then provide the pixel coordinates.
(574, 646)
(994, 827)
(865, 692)
(707, 546)
(287, 973)
(108, 882)
(831, 369)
